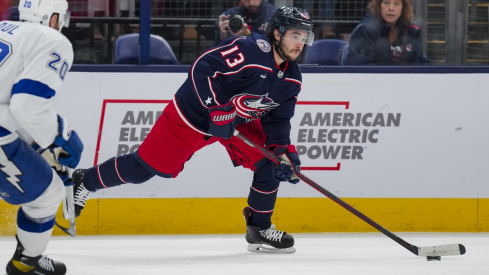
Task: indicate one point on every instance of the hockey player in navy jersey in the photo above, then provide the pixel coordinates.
(34, 60)
(247, 83)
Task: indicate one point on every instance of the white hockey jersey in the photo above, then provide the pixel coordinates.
(34, 60)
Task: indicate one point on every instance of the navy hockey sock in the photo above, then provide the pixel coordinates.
(116, 171)
(262, 197)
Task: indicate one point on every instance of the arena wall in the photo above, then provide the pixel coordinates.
(405, 146)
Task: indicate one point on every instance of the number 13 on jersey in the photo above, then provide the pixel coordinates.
(236, 61)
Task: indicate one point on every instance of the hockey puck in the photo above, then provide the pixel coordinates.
(433, 258)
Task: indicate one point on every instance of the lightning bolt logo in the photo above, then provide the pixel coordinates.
(11, 170)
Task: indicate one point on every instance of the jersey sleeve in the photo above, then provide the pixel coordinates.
(224, 64)
(276, 124)
(45, 66)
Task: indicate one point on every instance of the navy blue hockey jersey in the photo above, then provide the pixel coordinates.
(245, 73)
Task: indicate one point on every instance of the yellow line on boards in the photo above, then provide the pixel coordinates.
(299, 215)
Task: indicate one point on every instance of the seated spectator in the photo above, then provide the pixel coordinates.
(255, 14)
(387, 36)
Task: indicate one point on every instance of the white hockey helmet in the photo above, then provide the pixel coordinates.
(40, 11)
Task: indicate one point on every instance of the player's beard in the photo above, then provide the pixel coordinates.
(287, 53)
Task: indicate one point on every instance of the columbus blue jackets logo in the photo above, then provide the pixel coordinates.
(263, 26)
(251, 107)
(304, 15)
(263, 45)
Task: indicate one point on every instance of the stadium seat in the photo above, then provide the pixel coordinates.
(343, 54)
(11, 14)
(127, 50)
(324, 52)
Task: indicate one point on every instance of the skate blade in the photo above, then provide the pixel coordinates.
(259, 248)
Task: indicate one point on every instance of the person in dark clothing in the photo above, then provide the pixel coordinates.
(255, 13)
(249, 84)
(387, 36)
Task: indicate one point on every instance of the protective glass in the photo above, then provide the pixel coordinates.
(299, 36)
(67, 19)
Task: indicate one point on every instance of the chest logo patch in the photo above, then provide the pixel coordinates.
(251, 107)
(263, 45)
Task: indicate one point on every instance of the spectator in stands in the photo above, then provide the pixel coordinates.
(255, 13)
(387, 36)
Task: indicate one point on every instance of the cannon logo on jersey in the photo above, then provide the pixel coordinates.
(252, 107)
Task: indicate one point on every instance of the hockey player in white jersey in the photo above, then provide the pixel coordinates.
(34, 60)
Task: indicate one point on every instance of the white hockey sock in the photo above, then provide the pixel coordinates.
(34, 243)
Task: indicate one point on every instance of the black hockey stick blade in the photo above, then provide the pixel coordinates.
(440, 250)
(68, 231)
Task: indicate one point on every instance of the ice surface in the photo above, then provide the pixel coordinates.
(337, 254)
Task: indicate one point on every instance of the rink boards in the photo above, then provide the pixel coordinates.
(405, 146)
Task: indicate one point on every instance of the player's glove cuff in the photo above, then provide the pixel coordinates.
(223, 120)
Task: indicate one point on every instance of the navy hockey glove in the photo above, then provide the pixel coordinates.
(71, 144)
(222, 120)
(289, 166)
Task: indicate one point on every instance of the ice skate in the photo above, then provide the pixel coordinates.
(267, 240)
(40, 265)
(80, 192)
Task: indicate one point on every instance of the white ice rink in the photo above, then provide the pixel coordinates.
(337, 254)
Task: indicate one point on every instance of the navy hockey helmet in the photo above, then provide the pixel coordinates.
(286, 18)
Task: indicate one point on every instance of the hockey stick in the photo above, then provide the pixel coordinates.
(439, 250)
(51, 157)
(68, 206)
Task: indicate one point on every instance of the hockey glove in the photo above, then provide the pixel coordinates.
(222, 120)
(51, 157)
(71, 144)
(289, 166)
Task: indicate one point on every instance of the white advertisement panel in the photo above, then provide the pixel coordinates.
(358, 135)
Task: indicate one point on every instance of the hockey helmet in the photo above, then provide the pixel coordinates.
(40, 11)
(286, 18)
